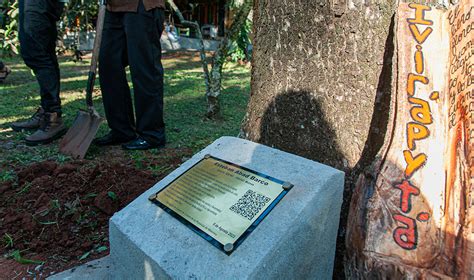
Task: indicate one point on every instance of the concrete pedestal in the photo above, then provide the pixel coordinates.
(297, 240)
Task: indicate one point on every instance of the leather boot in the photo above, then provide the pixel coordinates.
(52, 128)
(32, 123)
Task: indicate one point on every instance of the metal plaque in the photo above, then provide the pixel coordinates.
(221, 201)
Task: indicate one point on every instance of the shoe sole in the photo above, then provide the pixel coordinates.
(144, 149)
(47, 141)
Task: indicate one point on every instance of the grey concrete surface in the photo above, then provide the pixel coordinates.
(295, 241)
(100, 269)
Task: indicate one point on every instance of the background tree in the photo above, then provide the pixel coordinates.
(240, 49)
(213, 77)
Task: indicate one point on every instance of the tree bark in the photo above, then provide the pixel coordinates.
(322, 81)
(321, 84)
(327, 54)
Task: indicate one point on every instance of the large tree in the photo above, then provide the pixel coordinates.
(322, 83)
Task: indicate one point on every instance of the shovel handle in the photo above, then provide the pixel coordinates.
(95, 53)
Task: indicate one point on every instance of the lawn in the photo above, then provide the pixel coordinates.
(54, 211)
(185, 106)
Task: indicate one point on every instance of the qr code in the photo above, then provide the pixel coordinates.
(250, 204)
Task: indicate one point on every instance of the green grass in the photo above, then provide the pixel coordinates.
(185, 106)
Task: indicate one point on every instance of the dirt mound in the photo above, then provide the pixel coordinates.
(59, 213)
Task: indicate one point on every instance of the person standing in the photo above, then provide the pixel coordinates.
(37, 35)
(131, 36)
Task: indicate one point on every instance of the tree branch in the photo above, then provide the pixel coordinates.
(202, 50)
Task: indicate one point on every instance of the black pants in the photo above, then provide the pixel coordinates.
(38, 47)
(133, 39)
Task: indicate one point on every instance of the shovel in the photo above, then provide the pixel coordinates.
(79, 137)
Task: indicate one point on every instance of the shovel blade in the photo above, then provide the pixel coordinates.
(79, 137)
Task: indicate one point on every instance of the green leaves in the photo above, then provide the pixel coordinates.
(8, 240)
(9, 35)
(84, 256)
(101, 249)
(79, 14)
(112, 195)
(16, 255)
(97, 250)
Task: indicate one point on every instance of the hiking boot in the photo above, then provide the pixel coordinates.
(32, 123)
(51, 128)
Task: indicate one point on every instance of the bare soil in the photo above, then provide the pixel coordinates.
(58, 213)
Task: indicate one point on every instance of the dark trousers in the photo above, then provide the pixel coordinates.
(133, 39)
(38, 47)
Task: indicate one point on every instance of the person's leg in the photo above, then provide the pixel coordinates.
(113, 80)
(38, 47)
(143, 31)
(37, 36)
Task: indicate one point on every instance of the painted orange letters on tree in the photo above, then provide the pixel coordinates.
(419, 63)
(416, 132)
(422, 112)
(413, 163)
(420, 37)
(412, 78)
(413, 212)
(420, 10)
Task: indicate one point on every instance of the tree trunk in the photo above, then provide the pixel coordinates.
(218, 59)
(213, 79)
(322, 84)
(325, 58)
(412, 212)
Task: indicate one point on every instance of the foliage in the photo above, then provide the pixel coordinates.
(9, 28)
(16, 255)
(112, 196)
(8, 240)
(78, 15)
(213, 78)
(81, 14)
(240, 49)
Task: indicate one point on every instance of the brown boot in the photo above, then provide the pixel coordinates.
(52, 128)
(32, 123)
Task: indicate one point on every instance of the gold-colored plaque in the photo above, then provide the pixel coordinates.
(221, 200)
